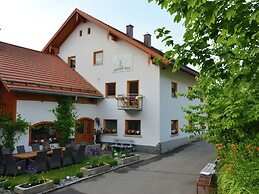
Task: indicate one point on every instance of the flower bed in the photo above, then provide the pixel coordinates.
(91, 171)
(126, 160)
(23, 189)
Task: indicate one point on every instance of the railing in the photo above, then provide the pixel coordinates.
(2, 109)
(130, 102)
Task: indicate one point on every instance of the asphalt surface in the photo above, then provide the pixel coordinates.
(175, 172)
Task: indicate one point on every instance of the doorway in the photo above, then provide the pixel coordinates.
(85, 130)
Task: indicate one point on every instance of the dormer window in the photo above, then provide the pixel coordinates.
(72, 62)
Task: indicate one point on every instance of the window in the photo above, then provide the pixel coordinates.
(89, 31)
(80, 33)
(174, 127)
(98, 58)
(110, 89)
(72, 62)
(43, 131)
(174, 89)
(110, 126)
(132, 127)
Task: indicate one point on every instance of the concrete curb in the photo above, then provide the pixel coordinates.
(92, 176)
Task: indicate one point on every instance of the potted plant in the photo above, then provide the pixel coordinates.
(94, 166)
(35, 184)
(124, 157)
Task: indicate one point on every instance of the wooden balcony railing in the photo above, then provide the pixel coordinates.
(2, 109)
(129, 102)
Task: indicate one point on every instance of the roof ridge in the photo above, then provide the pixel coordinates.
(22, 47)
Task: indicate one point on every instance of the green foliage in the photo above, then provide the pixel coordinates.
(121, 154)
(65, 119)
(79, 174)
(221, 39)
(109, 160)
(12, 130)
(34, 179)
(94, 162)
(56, 181)
(239, 169)
(7, 185)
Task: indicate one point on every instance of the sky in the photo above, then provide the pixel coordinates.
(32, 23)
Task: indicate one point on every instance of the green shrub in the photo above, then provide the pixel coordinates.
(239, 169)
(12, 186)
(56, 181)
(7, 185)
(94, 162)
(109, 160)
(79, 174)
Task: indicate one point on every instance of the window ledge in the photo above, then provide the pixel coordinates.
(110, 134)
(174, 135)
(137, 136)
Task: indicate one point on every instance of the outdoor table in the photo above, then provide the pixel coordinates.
(29, 155)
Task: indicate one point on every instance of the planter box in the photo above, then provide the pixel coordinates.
(92, 171)
(122, 161)
(35, 189)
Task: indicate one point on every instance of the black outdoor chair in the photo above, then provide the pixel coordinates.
(20, 149)
(2, 166)
(78, 155)
(35, 147)
(74, 145)
(55, 160)
(6, 150)
(12, 167)
(40, 162)
(67, 156)
(46, 145)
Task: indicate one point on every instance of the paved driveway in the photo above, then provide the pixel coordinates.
(175, 172)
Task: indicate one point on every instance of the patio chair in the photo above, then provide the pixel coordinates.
(55, 160)
(12, 167)
(74, 145)
(46, 145)
(40, 162)
(35, 147)
(78, 156)
(2, 166)
(6, 150)
(20, 149)
(67, 156)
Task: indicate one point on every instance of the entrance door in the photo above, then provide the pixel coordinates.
(85, 130)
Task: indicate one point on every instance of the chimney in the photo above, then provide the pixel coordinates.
(129, 30)
(147, 40)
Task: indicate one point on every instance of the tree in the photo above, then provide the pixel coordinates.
(222, 40)
(65, 119)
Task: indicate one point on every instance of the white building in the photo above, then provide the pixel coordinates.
(140, 101)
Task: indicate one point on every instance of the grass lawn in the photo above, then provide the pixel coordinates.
(70, 170)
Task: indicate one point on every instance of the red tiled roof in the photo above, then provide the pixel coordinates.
(23, 69)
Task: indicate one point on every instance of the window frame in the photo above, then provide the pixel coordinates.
(109, 131)
(69, 59)
(174, 126)
(126, 131)
(174, 92)
(106, 90)
(94, 57)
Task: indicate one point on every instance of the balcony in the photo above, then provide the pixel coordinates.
(2, 109)
(129, 102)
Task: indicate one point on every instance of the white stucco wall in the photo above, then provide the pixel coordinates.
(147, 74)
(171, 108)
(36, 111)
